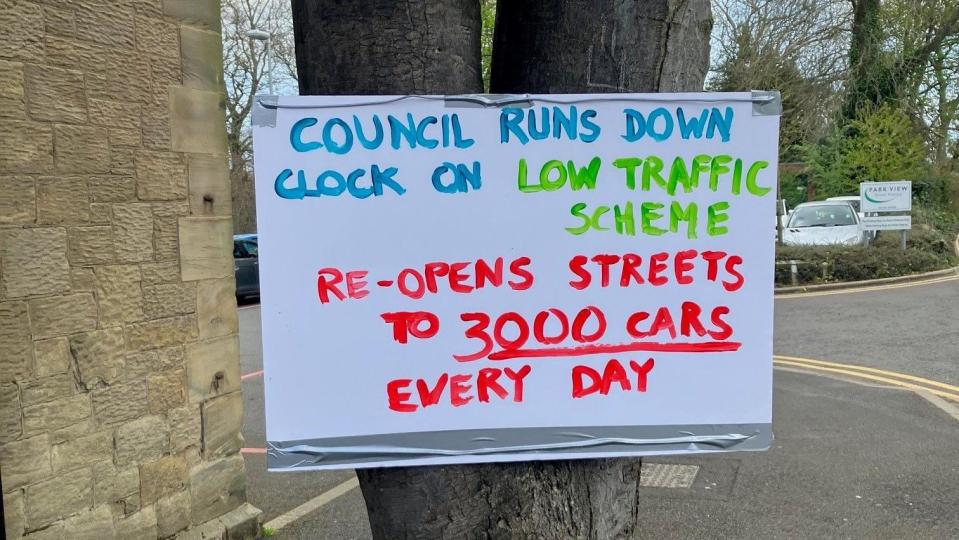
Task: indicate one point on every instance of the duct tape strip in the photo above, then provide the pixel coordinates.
(767, 103)
(264, 111)
(516, 443)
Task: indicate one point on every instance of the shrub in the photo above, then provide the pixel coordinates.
(856, 263)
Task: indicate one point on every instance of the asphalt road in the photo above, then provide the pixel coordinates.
(893, 459)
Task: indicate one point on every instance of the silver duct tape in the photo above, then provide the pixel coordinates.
(767, 103)
(264, 111)
(538, 443)
(474, 101)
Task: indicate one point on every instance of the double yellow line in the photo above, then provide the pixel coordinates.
(812, 294)
(892, 378)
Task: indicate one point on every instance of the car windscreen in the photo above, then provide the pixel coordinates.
(832, 215)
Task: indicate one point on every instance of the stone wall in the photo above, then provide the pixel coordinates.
(120, 407)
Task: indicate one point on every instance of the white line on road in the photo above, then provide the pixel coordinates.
(311, 505)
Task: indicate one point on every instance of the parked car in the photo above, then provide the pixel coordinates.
(246, 265)
(853, 201)
(824, 223)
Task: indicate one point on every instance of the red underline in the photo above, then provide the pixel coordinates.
(644, 346)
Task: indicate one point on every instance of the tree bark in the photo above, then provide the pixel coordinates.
(387, 47)
(550, 46)
(587, 46)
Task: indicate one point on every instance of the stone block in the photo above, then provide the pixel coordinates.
(216, 307)
(112, 189)
(149, 8)
(203, 14)
(133, 232)
(95, 524)
(222, 421)
(47, 389)
(22, 24)
(141, 364)
(90, 245)
(155, 130)
(82, 280)
(70, 53)
(55, 94)
(82, 149)
(106, 22)
(157, 37)
(24, 462)
(123, 161)
(169, 299)
(51, 356)
(161, 272)
(73, 431)
(141, 440)
(161, 176)
(12, 104)
(173, 513)
(120, 403)
(166, 391)
(209, 186)
(26, 147)
(166, 71)
(60, 21)
(185, 428)
(211, 530)
(242, 523)
(61, 496)
(213, 368)
(83, 452)
(99, 356)
(10, 413)
(106, 112)
(198, 120)
(18, 200)
(141, 525)
(162, 477)
(119, 76)
(14, 521)
(118, 289)
(125, 137)
(16, 361)
(161, 333)
(101, 213)
(35, 261)
(62, 200)
(61, 315)
(202, 59)
(217, 487)
(206, 248)
(55, 414)
(111, 485)
(166, 236)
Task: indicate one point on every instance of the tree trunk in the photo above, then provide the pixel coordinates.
(551, 46)
(587, 46)
(870, 81)
(387, 47)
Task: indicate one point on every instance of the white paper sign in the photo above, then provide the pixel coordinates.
(885, 196)
(563, 276)
(887, 223)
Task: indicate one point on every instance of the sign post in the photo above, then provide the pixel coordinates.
(884, 204)
(453, 280)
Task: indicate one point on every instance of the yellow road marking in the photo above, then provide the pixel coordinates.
(886, 380)
(867, 289)
(895, 374)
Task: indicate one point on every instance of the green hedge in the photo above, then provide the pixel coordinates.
(855, 263)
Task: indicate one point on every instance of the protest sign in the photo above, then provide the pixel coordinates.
(551, 276)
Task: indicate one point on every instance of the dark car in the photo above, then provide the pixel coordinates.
(246, 265)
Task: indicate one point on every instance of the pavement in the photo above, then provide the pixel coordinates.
(852, 458)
